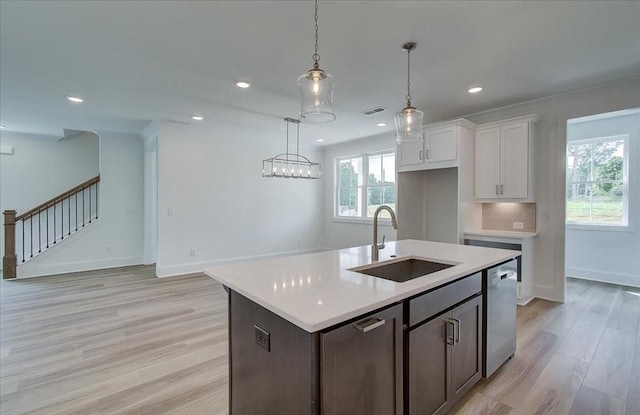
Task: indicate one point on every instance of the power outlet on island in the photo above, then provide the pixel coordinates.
(518, 225)
(262, 338)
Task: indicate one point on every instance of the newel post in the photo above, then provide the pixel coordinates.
(9, 260)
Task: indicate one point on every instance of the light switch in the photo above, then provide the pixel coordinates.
(170, 211)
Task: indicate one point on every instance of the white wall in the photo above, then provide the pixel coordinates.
(42, 167)
(223, 208)
(116, 239)
(340, 233)
(549, 245)
(605, 254)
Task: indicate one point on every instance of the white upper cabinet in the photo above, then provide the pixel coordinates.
(504, 160)
(441, 147)
(440, 144)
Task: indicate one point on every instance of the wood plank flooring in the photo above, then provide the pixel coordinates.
(122, 341)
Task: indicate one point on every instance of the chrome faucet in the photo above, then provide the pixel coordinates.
(375, 248)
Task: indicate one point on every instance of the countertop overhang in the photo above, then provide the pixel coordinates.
(316, 291)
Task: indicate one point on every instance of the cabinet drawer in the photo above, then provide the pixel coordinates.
(436, 301)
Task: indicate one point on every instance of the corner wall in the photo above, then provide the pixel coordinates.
(609, 254)
(42, 167)
(116, 238)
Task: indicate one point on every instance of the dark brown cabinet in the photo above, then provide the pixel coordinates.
(362, 366)
(419, 356)
(445, 358)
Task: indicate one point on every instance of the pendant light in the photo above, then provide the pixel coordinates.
(291, 165)
(409, 119)
(316, 89)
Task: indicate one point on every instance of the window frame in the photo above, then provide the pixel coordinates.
(363, 218)
(624, 225)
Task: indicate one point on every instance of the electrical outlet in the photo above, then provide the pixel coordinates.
(109, 249)
(192, 252)
(518, 225)
(170, 212)
(128, 211)
(262, 338)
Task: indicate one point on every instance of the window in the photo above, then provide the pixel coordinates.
(597, 187)
(365, 182)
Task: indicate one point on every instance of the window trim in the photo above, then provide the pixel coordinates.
(625, 225)
(365, 171)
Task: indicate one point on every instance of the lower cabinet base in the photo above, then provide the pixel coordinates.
(376, 364)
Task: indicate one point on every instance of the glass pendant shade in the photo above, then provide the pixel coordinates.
(409, 125)
(316, 94)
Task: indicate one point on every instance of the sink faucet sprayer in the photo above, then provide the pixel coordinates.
(375, 248)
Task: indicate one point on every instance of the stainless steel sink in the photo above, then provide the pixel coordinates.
(402, 271)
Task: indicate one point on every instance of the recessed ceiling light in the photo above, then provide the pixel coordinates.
(475, 89)
(381, 124)
(76, 100)
(2, 126)
(243, 84)
(197, 118)
(319, 140)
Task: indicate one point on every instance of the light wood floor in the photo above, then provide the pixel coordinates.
(124, 342)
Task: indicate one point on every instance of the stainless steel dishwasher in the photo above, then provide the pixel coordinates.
(499, 287)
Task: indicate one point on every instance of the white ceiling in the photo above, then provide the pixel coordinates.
(138, 61)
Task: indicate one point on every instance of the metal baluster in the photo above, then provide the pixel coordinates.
(47, 212)
(96, 200)
(39, 231)
(22, 240)
(62, 219)
(55, 237)
(69, 212)
(90, 214)
(31, 234)
(83, 207)
(76, 212)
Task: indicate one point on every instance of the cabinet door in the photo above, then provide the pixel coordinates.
(487, 163)
(514, 160)
(429, 360)
(410, 152)
(466, 352)
(362, 366)
(441, 145)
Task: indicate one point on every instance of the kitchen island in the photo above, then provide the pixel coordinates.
(315, 334)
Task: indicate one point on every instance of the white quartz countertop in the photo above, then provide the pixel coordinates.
(502, 234)
(316, 291)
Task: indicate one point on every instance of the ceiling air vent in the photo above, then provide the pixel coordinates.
(373, 111)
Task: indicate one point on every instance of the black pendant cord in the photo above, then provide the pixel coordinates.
(408, 78)
(316, 57)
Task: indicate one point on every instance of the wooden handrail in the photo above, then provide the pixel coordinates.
(58, 199)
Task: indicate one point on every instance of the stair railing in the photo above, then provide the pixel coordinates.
(48, 223)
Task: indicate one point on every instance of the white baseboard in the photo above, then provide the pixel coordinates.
(546, 293)
(603, 276)
(175, 270)
(78, 266)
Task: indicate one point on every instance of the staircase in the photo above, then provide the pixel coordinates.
(33, 232)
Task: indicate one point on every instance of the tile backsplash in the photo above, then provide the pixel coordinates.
(500, 216)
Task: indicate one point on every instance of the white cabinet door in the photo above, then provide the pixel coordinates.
(488, 163)
(410, 152)
(514, 160)
(441, 144)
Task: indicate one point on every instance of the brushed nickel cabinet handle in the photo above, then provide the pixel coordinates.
(497, 190)
(501, 189)
(458, 328)
(368, 327)
(420, 154)
(450, 324)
